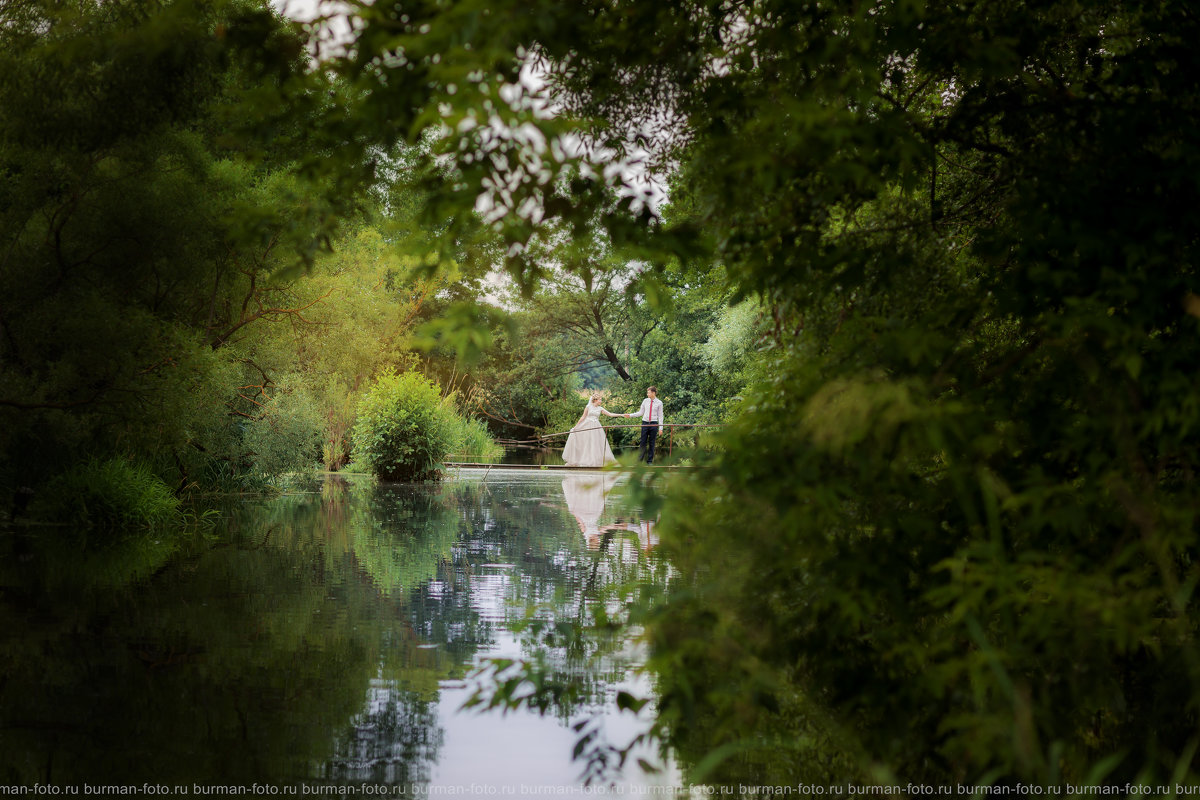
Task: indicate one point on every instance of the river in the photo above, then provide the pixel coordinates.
(328, 639)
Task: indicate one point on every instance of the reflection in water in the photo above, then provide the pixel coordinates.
(324, 636)
(585, 494)
(402, 536)
(643, 529)
(394, 741)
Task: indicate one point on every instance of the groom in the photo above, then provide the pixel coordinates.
(651, 413)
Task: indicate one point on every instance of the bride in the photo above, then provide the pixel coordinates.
(587, 446)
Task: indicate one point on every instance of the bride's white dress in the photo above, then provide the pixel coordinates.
(587, 445)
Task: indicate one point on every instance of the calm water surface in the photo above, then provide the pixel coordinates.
(327, 637)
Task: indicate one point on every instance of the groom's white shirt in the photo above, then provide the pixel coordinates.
(652, 411)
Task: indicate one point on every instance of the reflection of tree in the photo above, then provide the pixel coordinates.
(294, 642)
(510, 524)
(240, 659)
(112, 564)
(222, 665)
(448, 618)
(401, 536)
(395, 741)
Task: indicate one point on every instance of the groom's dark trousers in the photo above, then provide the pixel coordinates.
(646, 443)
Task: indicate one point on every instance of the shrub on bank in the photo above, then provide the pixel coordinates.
(111, 493)
(404, 429)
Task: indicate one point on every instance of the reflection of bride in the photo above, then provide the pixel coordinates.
(585, 496)
(587, 446)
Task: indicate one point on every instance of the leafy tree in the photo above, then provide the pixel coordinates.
(953, 564)
(964, 489)
(586, 305)
(144, 222)
(518, 386)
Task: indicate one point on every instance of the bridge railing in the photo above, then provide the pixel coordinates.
(670, 428)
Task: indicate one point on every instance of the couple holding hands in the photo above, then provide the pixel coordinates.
(587, 445)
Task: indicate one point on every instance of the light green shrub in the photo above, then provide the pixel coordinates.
(404, 428)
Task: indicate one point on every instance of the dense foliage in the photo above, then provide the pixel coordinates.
(935, 263)
(956, 517)
(143, 222)
(163, 197)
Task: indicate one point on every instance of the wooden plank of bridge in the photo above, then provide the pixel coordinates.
(461, 464)
(549, 467)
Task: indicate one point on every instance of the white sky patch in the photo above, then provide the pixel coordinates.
(332, 26)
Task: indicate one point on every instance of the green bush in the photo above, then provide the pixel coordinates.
(404, 428)
(111, 493)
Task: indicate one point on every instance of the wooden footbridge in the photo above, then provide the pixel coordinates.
(542, 442)
(532, 467)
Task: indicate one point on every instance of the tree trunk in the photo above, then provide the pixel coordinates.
(611, 355)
